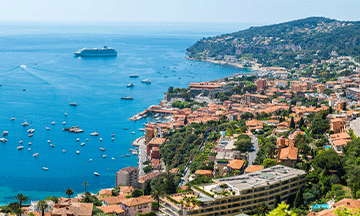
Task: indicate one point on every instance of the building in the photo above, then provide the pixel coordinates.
(253, 168)
(137, 205)
(337, 125)
(241, 194)
(72, 209)
(207, 173)
(353, 93)
(338, 141)
(346, 202)
(260, 84)
(154, 142)
(128, 176)
(33, 206)
(257, 99)
(143, 180)
(112, 209)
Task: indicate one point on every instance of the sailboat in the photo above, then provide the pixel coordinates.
(13, 118)
(95, 133)
(25, 122)
(126, 97)
(37, 152)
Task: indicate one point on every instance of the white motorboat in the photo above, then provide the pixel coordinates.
(82, 144)
(87, 139)
(29, 149)
(20, 142)
(66, 114)
(130, 85)
(30, 135)
(31, 130)
(52, 145)
(73, 104)
(53, 123)
(112, 139)
(25, 124)
(29, 143)
(47, 128)
(45, 168)
(94, 134)
(20, 147)
(64, 122)
(112, 134)
(95, 173)
(4, 133)
(100, 139)
(77, 152)
(64, 151)
(133, 132)
(113, 158)
(102, 149)
(13, 118)
(49, 141)
(90, 160)
(104, 156)
(77, 139)
(36, 155)
(147, 81)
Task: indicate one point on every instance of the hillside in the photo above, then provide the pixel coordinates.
(286, 44)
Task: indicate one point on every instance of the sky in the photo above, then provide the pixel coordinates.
(196, 11)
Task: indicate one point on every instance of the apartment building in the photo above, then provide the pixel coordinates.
(128, 176)
(239, 194)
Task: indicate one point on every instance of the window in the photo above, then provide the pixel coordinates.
(139, 207)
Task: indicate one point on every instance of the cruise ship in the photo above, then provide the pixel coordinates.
(103, 52)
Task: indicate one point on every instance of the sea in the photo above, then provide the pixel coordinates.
(40, 77)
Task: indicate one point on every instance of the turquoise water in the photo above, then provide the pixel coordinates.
(327, 147)
(317, 206)
(53, 78)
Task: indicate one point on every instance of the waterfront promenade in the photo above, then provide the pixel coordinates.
(140, 142)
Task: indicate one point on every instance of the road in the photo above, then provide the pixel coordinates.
(355, 125)
(142, 156)
(252, 155)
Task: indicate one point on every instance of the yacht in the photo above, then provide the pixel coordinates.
(25, 124)
(29, 149)
(29, 143)
(77, 152)
(52, 145)
(112, 139)
(47, 128)
(82, 144)
(20, 147)
(134, 76)
(36, 155)
(53, 123)
(4, 133)
(100, 139)
(96, 174)
(20, 142)
(104, 156)
(64, 122)
(73, 104)
(77, 139)
(30, 135)
(94, 134)
(64, 151)
(45, 168)
(90, 160)
(102, 149)
(112, 134)
(96, 52)
(147, 81)
(130, 85)
(31, 130)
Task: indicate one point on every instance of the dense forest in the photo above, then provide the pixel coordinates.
(286, 44)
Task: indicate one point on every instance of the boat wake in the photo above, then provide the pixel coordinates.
(31, 71)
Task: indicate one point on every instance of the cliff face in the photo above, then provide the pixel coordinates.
(282, 44)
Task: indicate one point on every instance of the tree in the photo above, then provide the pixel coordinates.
(330, 109)
(292, 123)
(171, 89)
(299, 199)
(247, 115)
(147, 190)
(156, 196)
(277, 201)
(243, 145)
(137, 193)
(53, 198)
(290, 110)
(185, 121)
(21, 198)
(85, 184)
(263, 209)
(327, 160)
(344, 106)
(268, 162)
(319, 126)
(19, 211)
(69, 192)
(301, 123)
(42, 204)
(282, 210)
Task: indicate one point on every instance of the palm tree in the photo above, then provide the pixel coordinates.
(19, 211)
(69, 192)
(85, 184)
(42, 204)
(21, 198)
(156, 196)
(263, 209)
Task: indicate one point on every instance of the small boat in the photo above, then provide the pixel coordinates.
(49, 141)
(21, 141)
(29, 149)
(127, 155)
(64, 151)
(45, 168)
(25, 124)
(53, 123)
(179, 77)
(31, 130)
(112, 139)
(147, 81)
(90, 160)
(52, 145)
(29, 143)
(96, 174)
(24, 89)
(102, 149)
(130, 85)
(134, 76)
(125, 128)
(66, 114)
(82, 144)
(112, 134)
(13, 118)
(94, 134)
(77, 152)
(104, 156)
(4, 133)
(113, 158)
(127, 98)
(47, 128)
(130, 150)
(20, 147)
(30, 135)
(77, 139)
(64, 122)
(133, 132)
(134, 153)
(142, 129)
(73, 104)
(100, 139)
(36, 155)
(87, 139)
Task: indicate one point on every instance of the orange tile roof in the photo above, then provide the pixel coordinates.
(105, 192)
(76, 209)
(114, 200)
(348, 203)
(253, 168)
(203, 172)
(289, 153)
(236, 164)
(111, 209)
(126, 189)
(137, 201)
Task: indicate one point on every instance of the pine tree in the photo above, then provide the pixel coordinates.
(290, 110)
(147, 190)
(330, 110)
(185, 120)
(292, 123)
(344, 106)
(299, 199)
(301, 123)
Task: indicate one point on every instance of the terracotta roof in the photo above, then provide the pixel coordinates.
(105, 192)
(114, 200)
(289, 153)
(157, 141)
(149, 176)
(137, 201)
(126, 189)
(236, 164)
(203, 172)
(348, 203)
(253, 168)
(111, 209)
(76, 209)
